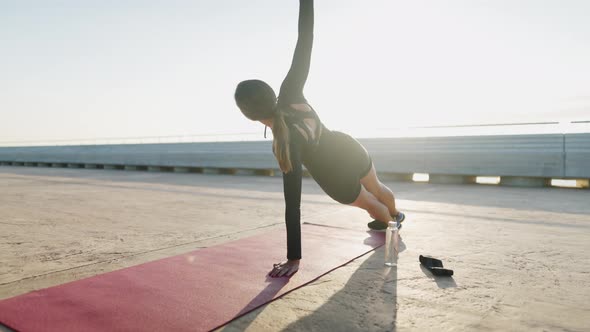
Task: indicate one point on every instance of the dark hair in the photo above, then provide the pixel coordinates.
(258, 101)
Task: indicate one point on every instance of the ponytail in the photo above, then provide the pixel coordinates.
(280, 144)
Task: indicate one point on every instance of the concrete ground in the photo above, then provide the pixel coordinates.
(520, 255)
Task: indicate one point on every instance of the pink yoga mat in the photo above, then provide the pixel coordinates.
(198, 291)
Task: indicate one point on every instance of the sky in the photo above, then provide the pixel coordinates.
(97, 69)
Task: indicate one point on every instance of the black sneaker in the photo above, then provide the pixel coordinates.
(379, 226)
(399, 219)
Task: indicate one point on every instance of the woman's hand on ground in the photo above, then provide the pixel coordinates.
(284, 269)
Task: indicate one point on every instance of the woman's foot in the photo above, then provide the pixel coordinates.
(378, 225)
(399, 218)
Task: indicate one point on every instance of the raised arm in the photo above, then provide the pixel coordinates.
(292, 88)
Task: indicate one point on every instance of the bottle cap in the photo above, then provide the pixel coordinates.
(393, 224)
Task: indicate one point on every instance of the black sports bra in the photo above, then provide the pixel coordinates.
(296, 120)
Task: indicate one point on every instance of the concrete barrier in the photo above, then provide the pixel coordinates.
(256, 155)
(514, 155)
(577, 156)
(517, 159)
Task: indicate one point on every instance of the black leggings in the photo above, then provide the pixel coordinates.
(338, 164)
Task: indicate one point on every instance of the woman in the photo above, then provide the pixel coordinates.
(339, 164)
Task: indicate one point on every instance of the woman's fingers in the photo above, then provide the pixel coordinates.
(285, 272)
(275, 270)
(282, 269)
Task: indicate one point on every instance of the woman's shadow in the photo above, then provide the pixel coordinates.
(368, 301)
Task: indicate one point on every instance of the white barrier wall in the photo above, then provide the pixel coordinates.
(518, 155)
(577, 156)
(540, 156)
(214, 155)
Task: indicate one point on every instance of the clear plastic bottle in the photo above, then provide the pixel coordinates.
(391, 244)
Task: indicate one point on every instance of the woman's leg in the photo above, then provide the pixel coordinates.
(380, 191)
(372, 205)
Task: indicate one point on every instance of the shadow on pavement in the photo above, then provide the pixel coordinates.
(368, 302)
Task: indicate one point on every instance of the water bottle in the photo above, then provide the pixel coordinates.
(391, 244)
